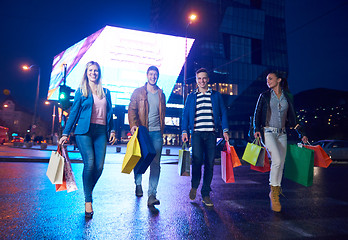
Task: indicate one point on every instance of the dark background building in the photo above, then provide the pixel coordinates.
(237, 41)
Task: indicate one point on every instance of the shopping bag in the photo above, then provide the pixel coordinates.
(147, 150)
(133, 154)
(235, 159)
(55, 167)
(266, 167)
(299, 164)
(229, 160)
(69, 182)
(184, 161)
(321, 159)
(254, 153)
(61, 187)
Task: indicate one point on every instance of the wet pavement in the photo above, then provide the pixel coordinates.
(31, 209)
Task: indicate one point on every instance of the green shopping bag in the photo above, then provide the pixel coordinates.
(299, 164)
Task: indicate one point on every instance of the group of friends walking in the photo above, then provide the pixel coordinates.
(203, 116)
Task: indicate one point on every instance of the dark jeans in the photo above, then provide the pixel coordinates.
(203, 152)
(92, 146)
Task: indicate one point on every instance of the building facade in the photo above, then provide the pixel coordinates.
(237, 41)
(19, 121)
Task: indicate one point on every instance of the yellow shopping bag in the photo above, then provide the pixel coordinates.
(254, 153)
(133, 154)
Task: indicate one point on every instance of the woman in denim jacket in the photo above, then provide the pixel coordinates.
(275, 111)
(91, 117)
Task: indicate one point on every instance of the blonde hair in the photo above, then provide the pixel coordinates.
(84, 84)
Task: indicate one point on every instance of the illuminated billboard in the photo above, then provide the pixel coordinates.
(124, 56)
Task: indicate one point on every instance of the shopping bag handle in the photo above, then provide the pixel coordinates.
(264, 146)
(228, 147)
(59, 149)
(258, 141)
(307, 143)
(64, 152)
(300, 144)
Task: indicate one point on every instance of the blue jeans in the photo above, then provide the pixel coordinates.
(92, 146)
(203, 152)
(155, 167)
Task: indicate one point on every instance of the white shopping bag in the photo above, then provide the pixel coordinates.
(55, 170)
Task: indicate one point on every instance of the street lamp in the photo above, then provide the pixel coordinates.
(191, 18)
(26, 68)
(53, 115)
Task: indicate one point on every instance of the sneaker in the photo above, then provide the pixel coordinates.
(138, 191)
(152, 201)
(207, 201)
(192, 194)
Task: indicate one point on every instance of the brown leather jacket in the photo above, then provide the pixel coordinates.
(138, 109)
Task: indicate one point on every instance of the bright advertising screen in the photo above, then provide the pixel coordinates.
(124, 56)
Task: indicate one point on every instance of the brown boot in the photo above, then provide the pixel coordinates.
(274, 196)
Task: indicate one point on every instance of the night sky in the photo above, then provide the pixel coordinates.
(33, 32)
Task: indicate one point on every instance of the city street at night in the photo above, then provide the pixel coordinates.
(164, 76)
(31, 209)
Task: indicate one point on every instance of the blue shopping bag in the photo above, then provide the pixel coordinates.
(147, 149)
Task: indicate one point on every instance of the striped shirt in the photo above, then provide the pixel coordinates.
(204, 120)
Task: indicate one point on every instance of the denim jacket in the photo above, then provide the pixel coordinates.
(81, 112)
(219, 112)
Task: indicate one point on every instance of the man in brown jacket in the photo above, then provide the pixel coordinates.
(147, 108)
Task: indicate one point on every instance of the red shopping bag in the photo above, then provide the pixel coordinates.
(61, 187)
(321, 159)
(229, 160)
(266, 166)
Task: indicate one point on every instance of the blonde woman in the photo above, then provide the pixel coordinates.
(92, 112)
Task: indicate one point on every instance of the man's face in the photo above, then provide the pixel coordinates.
(152, 77)
(202, 80)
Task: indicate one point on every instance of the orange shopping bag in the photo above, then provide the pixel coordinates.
(321, 159)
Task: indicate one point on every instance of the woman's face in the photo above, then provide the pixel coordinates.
(272, 80)
(93, 73)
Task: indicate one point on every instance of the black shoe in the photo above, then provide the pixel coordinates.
(207, 201)
(89, 214)
(152, 201)
(138, 191)
(192, 194)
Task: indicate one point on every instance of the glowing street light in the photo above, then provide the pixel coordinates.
(26, 68)
(191, 18)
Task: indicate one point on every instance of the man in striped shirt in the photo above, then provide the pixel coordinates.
(203, 115)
